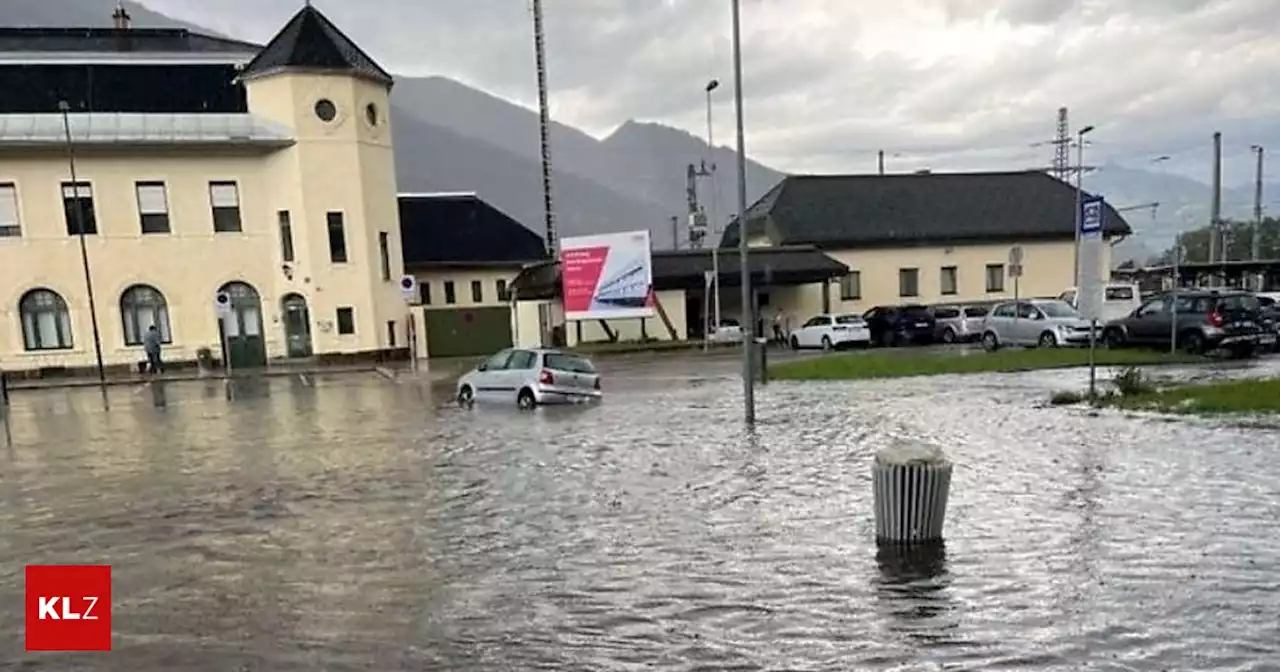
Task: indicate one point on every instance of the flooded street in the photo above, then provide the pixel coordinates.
(361, 524)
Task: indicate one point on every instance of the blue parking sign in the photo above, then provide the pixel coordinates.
(1091, 216)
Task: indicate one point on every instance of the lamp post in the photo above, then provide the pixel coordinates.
(749, 333)
(65, 109)
(1079, 197)
(715, 243)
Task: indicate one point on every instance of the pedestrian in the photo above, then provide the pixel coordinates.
(778, 336)
(151, 345)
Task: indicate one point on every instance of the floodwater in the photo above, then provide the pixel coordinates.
(358, 524)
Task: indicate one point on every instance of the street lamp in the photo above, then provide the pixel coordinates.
(64, 108)
(748, 341)
(715, 193)
(1079, 196)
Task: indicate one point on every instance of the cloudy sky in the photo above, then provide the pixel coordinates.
(935, 83)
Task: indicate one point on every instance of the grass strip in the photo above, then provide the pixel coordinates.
(901, 363)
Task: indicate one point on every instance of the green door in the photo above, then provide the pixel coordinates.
(466, 332)
(242, 327)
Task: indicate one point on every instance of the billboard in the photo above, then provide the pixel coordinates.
(607, 276)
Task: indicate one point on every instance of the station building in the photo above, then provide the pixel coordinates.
(161, 167)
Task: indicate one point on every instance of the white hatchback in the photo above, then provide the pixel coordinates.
(531, 377)
(832, 331)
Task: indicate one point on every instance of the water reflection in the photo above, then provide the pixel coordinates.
(913, 590)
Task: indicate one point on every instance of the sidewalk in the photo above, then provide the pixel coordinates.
(16, 384)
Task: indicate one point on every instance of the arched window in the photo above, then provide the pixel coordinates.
(143, 306)
(46, 322)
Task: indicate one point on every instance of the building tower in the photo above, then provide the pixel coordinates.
(1062, 147)
(334, 188)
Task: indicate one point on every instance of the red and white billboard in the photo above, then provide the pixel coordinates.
(607, 276)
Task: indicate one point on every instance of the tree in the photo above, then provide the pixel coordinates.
(1239, 234)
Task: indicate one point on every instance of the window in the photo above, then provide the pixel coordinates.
(346, 321)
(325, 110)
(424, 293)
(1027, 311)
(286, 235)
(975, 311)
(153, 207)
(565, 362)
(946, 313)
(9, 226)
(501, 286)
(143, 307)
(995, 277)
(851, 286)
(819, 321)
(947, 281)
(522, 360)
(449, 296)
(908, 282)
(477, 292)
(1005, 310)
(77, 205)
(224, 198)
(384, 254)
(1155, 307)
(391, 333)
(497, 362)
(337, 238)
(46, 322)
(1119, 294)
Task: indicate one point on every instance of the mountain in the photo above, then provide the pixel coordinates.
(87, 13)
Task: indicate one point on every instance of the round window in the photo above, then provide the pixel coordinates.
(326, 110)
(371, 114)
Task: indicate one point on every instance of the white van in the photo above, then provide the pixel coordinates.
(1120, 300)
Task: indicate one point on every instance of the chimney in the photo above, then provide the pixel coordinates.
(120, 18)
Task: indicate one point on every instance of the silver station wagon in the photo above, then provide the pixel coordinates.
(530, 377)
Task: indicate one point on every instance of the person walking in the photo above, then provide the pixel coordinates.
(151, 345)
(778, 336)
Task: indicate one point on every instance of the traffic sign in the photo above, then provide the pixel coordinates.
(1015, 270)
(1015, 256)
(1091, 216)
(409, 288)
(222, 303)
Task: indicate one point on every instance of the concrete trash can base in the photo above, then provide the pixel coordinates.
(911, 483)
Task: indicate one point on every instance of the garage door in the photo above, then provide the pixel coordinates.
(465, 332)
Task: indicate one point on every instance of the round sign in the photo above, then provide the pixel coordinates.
(406, 282)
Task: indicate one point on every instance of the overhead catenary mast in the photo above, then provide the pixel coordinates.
(544, 126)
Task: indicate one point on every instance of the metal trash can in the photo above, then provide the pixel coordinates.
(911, 483)
(762, 360)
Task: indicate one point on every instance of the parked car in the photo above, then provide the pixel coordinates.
(831, 331)
(1270, 306)
(1206, 320)
(959, 324)
(1046, 323)
(900, 325)
(729, 331)
(530, 377)
(1118, 300)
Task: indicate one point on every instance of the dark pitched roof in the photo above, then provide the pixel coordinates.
(108, 40)
(686, 269)
(311, 42)
(917, 209)
(462, 230)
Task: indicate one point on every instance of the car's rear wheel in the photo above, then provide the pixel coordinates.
(1113, 338)
(949, 335)
(1192, 343)
(525, 399)
(466, 396)
(1048, 340)
(989, 342)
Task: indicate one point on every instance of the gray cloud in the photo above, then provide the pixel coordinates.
(939, 83)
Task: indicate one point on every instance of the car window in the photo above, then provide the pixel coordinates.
(1239, 302)
(871, 314)
(728, 323)
(497, 362)
(849, 319)
(916, 312)
(976, 311)
(946, 313)
(1154, 307)
(816, 322)
(1069, 297)
(1004, 310)
(1027, 311)
(1060, 309)
(1119, 294)
(1266, 301)
(522, 360)
(572, 363)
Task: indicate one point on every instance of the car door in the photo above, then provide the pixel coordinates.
(1000, 321)
(519, 371)
(1152, 321)
(490, 377)
(1025, 329)
(810, 335)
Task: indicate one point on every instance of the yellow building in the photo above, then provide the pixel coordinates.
(927, 239)
(201, 166)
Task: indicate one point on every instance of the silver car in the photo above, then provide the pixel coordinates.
(1047, 323)
(530, 377)
(959, 324)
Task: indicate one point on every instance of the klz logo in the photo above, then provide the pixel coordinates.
(68, 608)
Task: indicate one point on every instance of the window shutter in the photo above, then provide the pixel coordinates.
(151, 199)
(8, 205)
(224, 195)
(68, 191)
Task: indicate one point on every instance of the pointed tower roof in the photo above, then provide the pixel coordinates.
(311, 42)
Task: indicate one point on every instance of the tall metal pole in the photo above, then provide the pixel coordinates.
(1255, 243)
(544, 126)
(1215, 205)
(880, 162)
(1075, 281)
(84, 251)
(749, 324)
(715, 196)
(1173, 306)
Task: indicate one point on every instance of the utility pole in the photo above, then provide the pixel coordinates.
(749, 323)
(1255, 242)
(1062, 147)
(675, 233)
(1215, 205)
(544, 126)
(880, 161)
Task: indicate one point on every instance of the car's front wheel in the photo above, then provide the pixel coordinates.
(1048, 340)
(466, 396)
(989, 342)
